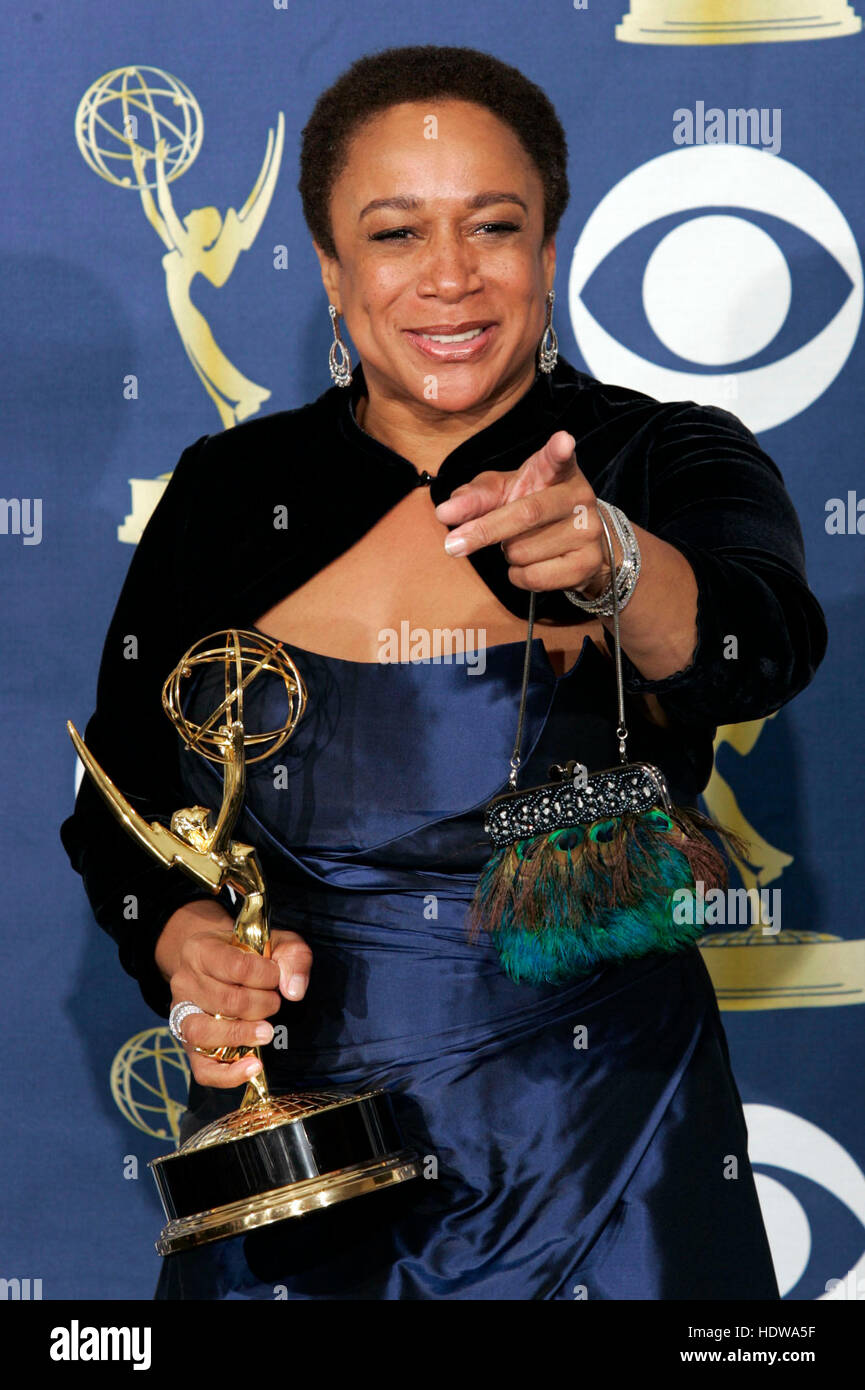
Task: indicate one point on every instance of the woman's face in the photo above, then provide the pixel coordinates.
(436, 264)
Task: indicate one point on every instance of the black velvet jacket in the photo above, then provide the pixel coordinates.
(212, 557)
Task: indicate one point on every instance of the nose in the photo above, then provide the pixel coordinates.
(450, 268)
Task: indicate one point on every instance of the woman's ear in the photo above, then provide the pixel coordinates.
(548, 252)
(329, 275)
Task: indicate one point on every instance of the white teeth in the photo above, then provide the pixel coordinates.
(453, 337)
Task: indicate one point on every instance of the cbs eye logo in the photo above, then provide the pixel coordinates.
(817, 1252)
(726, 276)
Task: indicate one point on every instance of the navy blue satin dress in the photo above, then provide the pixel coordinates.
(580, 1142)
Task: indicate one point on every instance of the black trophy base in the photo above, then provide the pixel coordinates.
(282, 1157)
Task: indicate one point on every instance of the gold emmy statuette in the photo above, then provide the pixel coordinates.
(277, 1155)
(141, 128)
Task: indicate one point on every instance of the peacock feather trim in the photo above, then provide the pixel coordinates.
(562, 904)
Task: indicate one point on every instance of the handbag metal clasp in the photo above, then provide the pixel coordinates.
(572, 771)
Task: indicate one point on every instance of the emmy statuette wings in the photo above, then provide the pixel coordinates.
(277, 1156)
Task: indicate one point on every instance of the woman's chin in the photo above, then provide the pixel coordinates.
(455, 388)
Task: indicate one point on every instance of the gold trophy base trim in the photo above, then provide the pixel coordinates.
(296, 1199)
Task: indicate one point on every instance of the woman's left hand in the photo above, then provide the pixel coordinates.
(545, 516)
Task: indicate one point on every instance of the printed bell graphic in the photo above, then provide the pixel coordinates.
(735, 21)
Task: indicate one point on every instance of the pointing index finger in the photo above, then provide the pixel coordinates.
(529, 499)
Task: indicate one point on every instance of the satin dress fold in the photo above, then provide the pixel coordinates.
(579, 1141)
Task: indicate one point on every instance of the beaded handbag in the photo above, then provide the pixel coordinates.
(586, 867)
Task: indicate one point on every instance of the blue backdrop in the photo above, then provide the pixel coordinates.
(709, 252)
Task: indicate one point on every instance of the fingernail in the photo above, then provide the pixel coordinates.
(455, 545)
(455, 492)
(263, 1032)
(297, 986)
(253, 1067)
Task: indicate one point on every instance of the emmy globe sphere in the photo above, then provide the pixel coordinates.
(124, 107)
(245, 657)
(150, 1082)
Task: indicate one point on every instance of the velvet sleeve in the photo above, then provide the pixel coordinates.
(132, 895)
(718, 498)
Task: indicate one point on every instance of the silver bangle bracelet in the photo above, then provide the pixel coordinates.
(627, 572)
(626, 580)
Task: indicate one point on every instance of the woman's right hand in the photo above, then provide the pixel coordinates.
(197, 955)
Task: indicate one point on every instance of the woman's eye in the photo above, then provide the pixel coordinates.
(498, 227)
(401, 233)
(395, 233)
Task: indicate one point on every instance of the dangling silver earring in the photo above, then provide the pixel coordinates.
(339, 357)
(548, 352)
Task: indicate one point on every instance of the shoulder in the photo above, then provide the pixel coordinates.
(610, 402)
(606, 400)
(230, 482)
(658, 431)
(610, 422)
(261, 444)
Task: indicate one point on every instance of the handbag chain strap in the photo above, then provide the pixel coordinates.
(621, 728)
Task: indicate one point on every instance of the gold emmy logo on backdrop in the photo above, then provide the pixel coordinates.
(736, 21)
(150, 1083)
(108, 128)
(277, 1156)
(756, 967)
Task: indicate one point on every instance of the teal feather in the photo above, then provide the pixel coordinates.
(566, 948)
(559, 906)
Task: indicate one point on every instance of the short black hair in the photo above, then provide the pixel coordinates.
(394, 75)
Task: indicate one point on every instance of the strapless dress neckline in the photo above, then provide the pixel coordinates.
(538, 651)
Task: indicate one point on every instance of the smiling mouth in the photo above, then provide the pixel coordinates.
(458, 342)
(463, 337)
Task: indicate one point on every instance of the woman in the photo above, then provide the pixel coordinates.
(458, 473)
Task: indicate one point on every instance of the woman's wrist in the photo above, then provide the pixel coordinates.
(596, 595)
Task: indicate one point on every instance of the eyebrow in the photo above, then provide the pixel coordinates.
(406, 203)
